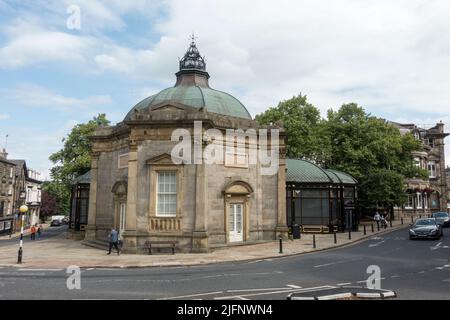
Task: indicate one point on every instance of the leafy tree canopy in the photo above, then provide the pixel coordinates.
(72, 160)
(350, 140)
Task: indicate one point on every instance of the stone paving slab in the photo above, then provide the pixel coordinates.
(59, 252)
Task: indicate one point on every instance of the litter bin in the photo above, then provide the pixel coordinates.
(296, 231)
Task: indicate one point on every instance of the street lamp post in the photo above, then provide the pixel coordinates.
(23, 210)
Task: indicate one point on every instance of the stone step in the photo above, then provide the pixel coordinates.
(97, 244)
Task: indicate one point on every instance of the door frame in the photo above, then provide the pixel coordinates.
(242, 206)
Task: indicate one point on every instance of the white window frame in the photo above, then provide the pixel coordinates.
(425, 200)
(419, 201)
(10, 190)
(410, 202)
(432, 169)
(417, 162)
(165, 213)
(11, 172)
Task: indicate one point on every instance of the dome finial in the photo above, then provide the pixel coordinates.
(192, 58)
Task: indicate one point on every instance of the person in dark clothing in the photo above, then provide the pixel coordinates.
(114, 241)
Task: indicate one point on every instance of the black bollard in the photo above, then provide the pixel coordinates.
(281, 245)
(314, 241)
(412, 219)
(401, 220)
(335, 238)
(365, 230)
(390, 223)
(372, 228)
(350, 234)
(378, 226)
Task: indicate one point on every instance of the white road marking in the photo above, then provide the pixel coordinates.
(376, 244)
(276, 292)
(344, 284)
(329, 264)
(241, 298)
(256, 290)
(436, 246)
(294, 286)
(446, 280)
(396, 276)
(41, 270)
(420, 272)
(192, 295)
(256, 261)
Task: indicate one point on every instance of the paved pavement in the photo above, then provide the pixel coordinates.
(58, 252)
(414, 269)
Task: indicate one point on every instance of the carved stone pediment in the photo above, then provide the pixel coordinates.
(172, 106)
(238, 187)
(162, 159)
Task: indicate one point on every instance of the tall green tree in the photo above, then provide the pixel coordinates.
(374, 152)
(306, 131)
(350, 140)
(72, 160)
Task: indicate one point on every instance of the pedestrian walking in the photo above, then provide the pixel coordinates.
(33, 232)
(114, 241)
(377, 218)
(39, 231)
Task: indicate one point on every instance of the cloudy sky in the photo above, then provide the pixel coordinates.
(391, 57)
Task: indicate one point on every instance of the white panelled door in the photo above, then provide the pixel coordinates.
(235, 223)
(122, 217)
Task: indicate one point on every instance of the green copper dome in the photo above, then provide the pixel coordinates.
(192, 89)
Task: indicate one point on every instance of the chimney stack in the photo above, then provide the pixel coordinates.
(3, 154)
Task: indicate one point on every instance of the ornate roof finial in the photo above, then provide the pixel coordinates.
(192, 58)
(192, 37)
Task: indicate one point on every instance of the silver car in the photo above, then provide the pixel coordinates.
(442, 218)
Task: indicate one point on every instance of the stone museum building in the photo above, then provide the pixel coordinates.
(139, 186)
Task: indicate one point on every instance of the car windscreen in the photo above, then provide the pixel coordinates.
(441, 215)
(427, 222)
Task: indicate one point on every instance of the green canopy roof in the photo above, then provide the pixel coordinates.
(303, 171)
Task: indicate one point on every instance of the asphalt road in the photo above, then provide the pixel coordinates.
(414, 269)
(48, 232)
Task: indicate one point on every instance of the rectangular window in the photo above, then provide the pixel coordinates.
(236, 157)
(419, 201)
(432, 169)
(417, 162)
(410, 202)
(166, 205)
(123, 161)
(425, 200)
(11, 172)
(10, 190)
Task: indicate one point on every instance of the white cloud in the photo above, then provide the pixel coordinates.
(37, 96)
(389, 56)
(4, 116)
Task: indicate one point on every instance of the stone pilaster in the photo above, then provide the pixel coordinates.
(282, 230)
(130, 233)
(200, 234)
(92, 213)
